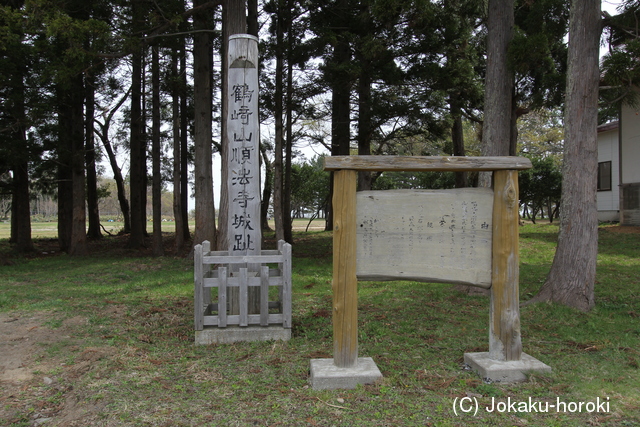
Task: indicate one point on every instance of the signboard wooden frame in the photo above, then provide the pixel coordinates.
(504, 331)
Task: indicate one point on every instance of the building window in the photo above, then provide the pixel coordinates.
(604, 176)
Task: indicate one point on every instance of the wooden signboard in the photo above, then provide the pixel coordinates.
(425, 235)
(437, 236)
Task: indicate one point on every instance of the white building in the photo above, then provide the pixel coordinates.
(619, 168)
(608, 172)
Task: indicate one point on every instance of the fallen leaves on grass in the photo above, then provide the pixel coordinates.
(434, 381)
(324, 313)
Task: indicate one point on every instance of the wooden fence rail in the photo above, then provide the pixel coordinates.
(234, 272)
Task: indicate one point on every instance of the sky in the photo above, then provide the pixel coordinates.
(610, 6)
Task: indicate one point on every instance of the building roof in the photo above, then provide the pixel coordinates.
(608, 126)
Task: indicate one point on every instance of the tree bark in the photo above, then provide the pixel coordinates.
(288, 149)
(20, 209)
(267, 189)
(117, 172)
(138, 167)
(156, 198)
(71, 181)
(63, 174)
(93, 214)
(278, 164)
(202, 79)
(177, 199)
(457, 137)
(572, 276)
(340, 98)
(184, 143)
(496, 132)
(364, 123)
(513, 132)
(78, 242)
(252, 17)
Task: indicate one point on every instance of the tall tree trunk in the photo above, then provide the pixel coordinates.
(252, 17)
(184, 142)
(278, 164)
(103, 134)
(513, 131)
(572, 276)
(364, 123)
(156, 198)
(137, 164)
(71, 190)
(113, 161)
(267, 189)
(288, 148)
(288, 159)
(63, 173)
(496, 132)
(457, 136)
(65, 207)
(202, 79)
(20, 209)
(340, 98)
(233, 22)
(93, 214)
(177, 200)
(143, 147)
(78, 241)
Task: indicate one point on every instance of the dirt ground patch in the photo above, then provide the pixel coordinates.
(623, 229)
(19, 340)
(38, 387)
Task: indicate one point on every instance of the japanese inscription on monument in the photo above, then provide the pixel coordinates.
(244, 168)
(425, 235)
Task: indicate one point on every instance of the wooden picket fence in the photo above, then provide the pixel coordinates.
(218, 269)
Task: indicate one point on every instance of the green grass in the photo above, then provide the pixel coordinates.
(137, 318)
(45, 229)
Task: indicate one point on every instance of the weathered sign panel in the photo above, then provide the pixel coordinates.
(425, 235)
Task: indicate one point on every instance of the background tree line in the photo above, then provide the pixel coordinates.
(82, 81)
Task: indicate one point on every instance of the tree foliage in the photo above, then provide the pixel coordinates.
(310, 184)
(401, 77)
(620, 65)
(540, 188)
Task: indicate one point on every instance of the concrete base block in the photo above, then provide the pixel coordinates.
(327, 376)
(231, 334)
(503, 371)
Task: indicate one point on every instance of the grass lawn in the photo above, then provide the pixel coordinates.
(107, 339)
(49, 229)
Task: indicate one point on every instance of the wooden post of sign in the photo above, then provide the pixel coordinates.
(346, 369)
(345, 282)
(505, 343)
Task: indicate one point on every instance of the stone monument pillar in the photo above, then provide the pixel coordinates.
(243, 154)
(242, 275)
(243, 182)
